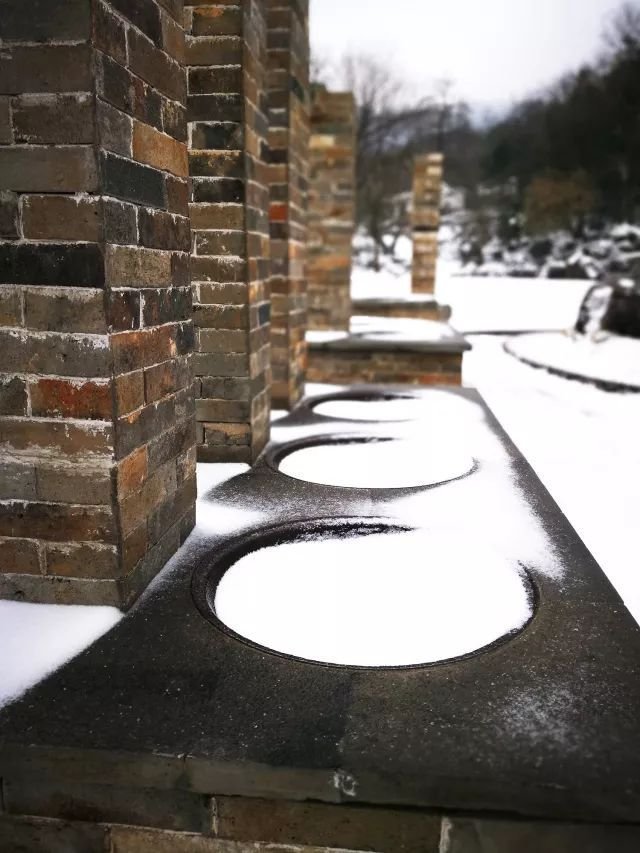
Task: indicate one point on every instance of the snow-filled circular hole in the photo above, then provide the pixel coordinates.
(375, 464)
(380, 600)
(437, 405)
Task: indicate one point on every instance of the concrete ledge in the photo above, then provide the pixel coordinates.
(220, 745)
(432, 357)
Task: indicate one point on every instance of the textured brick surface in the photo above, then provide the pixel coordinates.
(288, 89)
(410, 368)
(425, 220)
(227, 113)
(95, 312)
(331, 208)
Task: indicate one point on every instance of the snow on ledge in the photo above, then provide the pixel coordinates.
(37, 639)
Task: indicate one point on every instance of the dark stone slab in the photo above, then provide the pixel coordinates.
(442, 339)
(360, 306)
(544, 726)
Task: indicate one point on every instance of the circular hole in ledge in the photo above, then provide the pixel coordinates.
(371, 597)
(371, 463)
(392, 408)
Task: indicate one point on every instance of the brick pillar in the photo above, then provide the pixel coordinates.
(288, 42)
(97, 455)
(427, 193)
(226, 55)
(331, 208)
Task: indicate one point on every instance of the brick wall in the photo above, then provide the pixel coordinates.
(97, 462)
(119, 821)
(226, 58)
(427, 192)
(331, 208)
(376, 365)
(288, 90)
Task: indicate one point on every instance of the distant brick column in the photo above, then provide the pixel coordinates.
(427, 193)
(226, 55)
(97, 431)
(288, 42)
(331, 208)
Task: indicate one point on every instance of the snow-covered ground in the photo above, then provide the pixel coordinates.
(605, 359)
(486, 304)
(583, 444)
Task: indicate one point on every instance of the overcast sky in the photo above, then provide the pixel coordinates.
(496, 50)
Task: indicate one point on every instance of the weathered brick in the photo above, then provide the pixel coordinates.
(165, 306)
(46, 68)
(245, 820)
(127, 92)
(120, 221)
(11, 313)
(217, 135)
(6, 134)
(129, 392)
(127, 266)
(68, 398)
(18, 479)
(211, 216)
(218, 190)
(57, 522)
(50, 353)
(123, 310)
(155, 66)
(134, 350)
(109, 33)
(63, 309)
(82, 560)
(214, 51)
(13, 396)
(48, 169)
(174, 120)
(173, 809)
(63, 119)
(136, 507)
(144, 14)
(49, 264)
(42, 21)
(55, 438)
(177, 192)
(9, 217)
(61, 217)
(115, 129)
(132, 472)
(159, 150)
(130, 181)
(58, 482)
(160, 230)
(21, 557)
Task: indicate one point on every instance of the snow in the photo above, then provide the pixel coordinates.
(582, 443)
(395, 409)
(603, 358)
(487, 304)
(376, 464)
(37, 639)
(512, 305)
(393, 599)
(319, 336)
(391, 329)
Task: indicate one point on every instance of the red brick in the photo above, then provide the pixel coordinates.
(69, 398)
